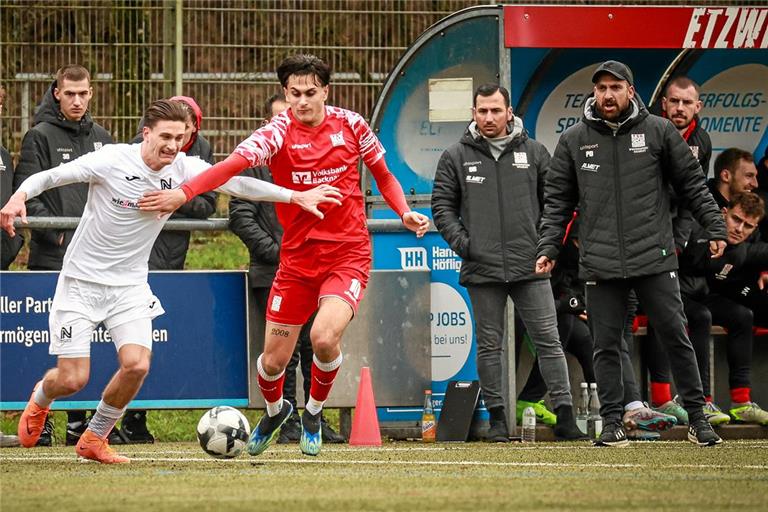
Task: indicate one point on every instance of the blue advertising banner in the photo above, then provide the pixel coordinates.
(200, 346)
(451, 328)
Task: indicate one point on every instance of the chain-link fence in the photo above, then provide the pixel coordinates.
(223, 53)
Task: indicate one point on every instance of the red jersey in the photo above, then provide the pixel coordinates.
(301, 157)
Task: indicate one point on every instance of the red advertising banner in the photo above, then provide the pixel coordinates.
(635, 27)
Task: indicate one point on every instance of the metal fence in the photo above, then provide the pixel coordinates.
(223, 53)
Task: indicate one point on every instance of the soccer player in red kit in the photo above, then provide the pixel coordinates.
(324, 262)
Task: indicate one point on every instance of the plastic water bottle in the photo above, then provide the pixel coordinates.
(594, 421)
(582, 410)
(529, 425)
(428, 423)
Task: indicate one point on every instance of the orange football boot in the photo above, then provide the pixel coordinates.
(92, 447)
(32, 421)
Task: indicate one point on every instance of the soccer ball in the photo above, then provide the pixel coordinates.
(223, 432)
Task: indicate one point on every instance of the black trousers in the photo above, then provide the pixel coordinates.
(607, 307)
(702, 314)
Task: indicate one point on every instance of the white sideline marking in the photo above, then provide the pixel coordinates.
(264, 461)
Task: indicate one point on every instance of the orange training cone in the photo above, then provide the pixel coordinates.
(365, 424)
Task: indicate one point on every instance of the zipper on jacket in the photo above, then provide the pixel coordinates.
(501, 223)
(619, 205)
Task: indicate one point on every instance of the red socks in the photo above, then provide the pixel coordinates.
(740, 395)
(660, 393)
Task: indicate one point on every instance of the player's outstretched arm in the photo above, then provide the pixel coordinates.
(310, 199)
(162, 201)
(15, 207)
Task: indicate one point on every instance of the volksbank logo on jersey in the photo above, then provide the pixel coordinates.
(337, 139)
(301, 177)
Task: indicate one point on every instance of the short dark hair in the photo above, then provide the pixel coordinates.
(73, 72)
(164, 110)
(751, 204)
(490, 89)
(729, 159)
(682, 82)
(278, 96)
(303, 64)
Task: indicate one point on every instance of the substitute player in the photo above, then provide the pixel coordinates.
(324, 263)
(104, 276)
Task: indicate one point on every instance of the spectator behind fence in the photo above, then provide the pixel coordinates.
(324, 265)
(63, 131)
(703, 308)
(486, 203)
(616, 164)
(681, 105)
(10, 245)
(256, 224)
(170, 249)
(104, 278)
(735, 172)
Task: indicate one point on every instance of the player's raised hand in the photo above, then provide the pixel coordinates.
(162, 201)
(309, 199)
(15, 207)
(416, 222)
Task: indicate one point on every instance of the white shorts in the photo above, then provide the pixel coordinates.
(79, 306)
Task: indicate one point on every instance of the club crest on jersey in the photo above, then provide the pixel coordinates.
(638, 143)
(337, 139)
(97, 146)
(695, 151)
(521, 159)
(276, 302)
(301, 177)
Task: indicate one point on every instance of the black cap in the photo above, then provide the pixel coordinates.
(615, 68)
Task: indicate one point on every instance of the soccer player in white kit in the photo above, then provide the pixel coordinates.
(104, 275)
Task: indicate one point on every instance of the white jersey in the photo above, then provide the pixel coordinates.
(113, 241)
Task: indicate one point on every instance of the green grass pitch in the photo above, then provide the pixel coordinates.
(400, 476)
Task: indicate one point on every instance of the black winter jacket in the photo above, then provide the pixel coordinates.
(488, 210)
(256, 224)
(619, 180)
(55, 140)
(10, 246)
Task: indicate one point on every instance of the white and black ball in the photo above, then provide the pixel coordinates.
(223, 432)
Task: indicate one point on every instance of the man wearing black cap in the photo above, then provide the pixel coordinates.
(617, 165)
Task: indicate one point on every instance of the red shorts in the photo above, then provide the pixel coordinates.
(315, 270)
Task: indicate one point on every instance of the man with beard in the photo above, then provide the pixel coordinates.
(617, 165)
